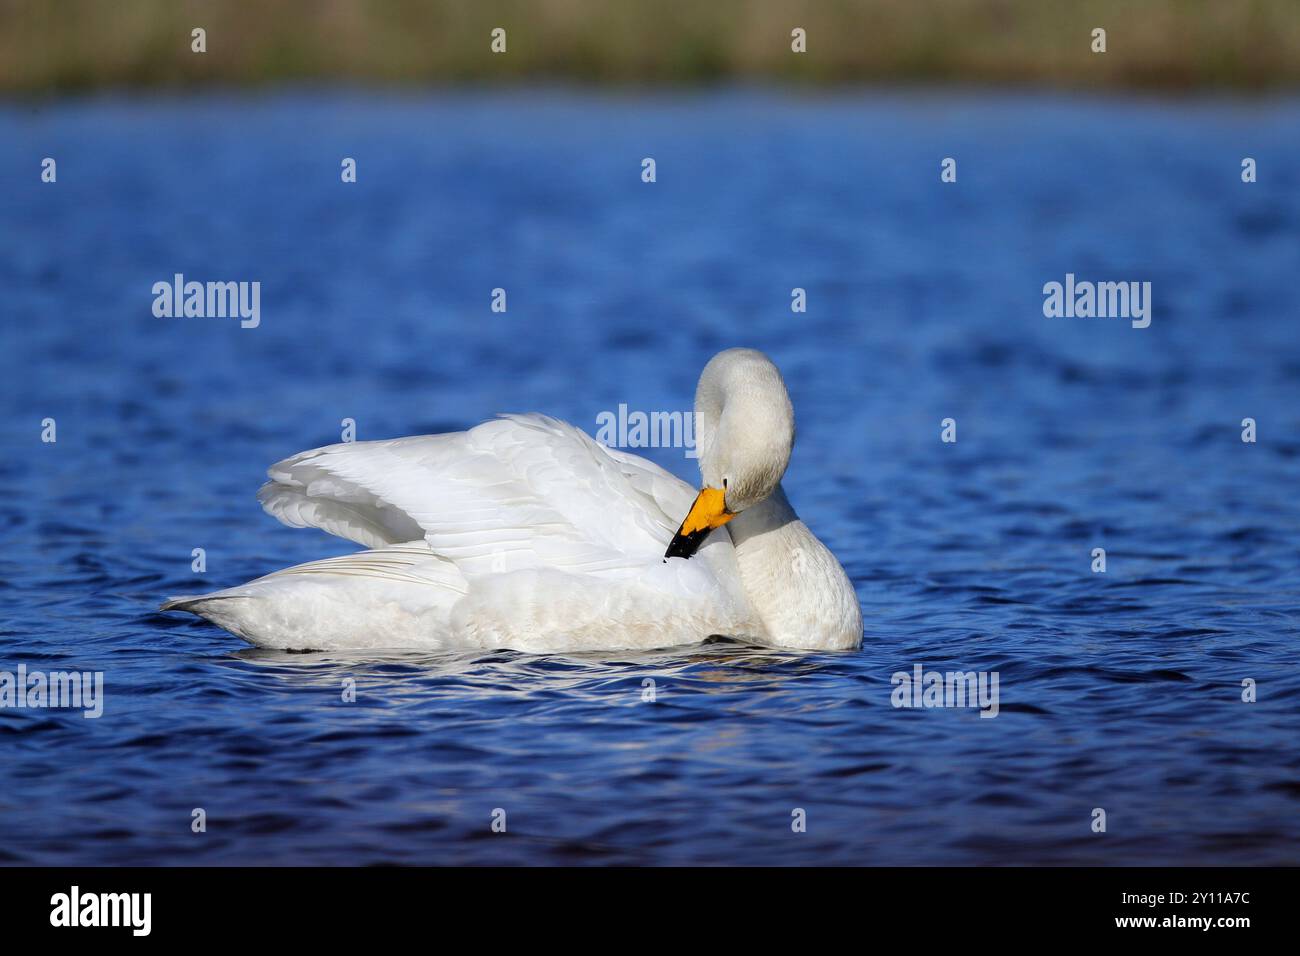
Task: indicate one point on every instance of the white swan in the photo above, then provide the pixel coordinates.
(525, 533)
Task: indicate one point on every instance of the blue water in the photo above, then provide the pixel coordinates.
(1119, 691)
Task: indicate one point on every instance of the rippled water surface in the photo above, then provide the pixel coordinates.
(1119, 690)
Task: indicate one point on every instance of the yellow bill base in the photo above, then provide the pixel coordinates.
(708, 512)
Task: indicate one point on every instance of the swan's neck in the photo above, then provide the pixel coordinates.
(793, 582)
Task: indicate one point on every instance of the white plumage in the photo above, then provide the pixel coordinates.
(526, 533)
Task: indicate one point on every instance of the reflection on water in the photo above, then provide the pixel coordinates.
(1120, 691)
(720, 660)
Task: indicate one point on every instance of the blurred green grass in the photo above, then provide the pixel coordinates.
(71, 45)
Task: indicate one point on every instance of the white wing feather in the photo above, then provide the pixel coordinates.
(520, 492)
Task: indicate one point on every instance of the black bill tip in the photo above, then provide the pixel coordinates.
(685, 545)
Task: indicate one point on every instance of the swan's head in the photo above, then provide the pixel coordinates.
(744, 427)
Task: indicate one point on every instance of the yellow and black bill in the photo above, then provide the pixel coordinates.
(708, 512)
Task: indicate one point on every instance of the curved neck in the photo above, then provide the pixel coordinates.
(751, 530)
(793, 582)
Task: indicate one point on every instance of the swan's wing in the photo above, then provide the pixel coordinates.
(673, 496)
(517, 493)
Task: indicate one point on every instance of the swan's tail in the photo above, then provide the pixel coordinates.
(396, 597)
(190, 602)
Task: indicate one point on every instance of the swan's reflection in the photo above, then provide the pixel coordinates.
(719, 661)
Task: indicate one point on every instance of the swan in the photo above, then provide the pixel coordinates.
(525, 533)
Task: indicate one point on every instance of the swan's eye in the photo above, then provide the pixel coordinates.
(724, 484)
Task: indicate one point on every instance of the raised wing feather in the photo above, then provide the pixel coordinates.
(521, 492)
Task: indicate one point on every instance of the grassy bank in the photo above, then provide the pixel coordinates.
(65, 45)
